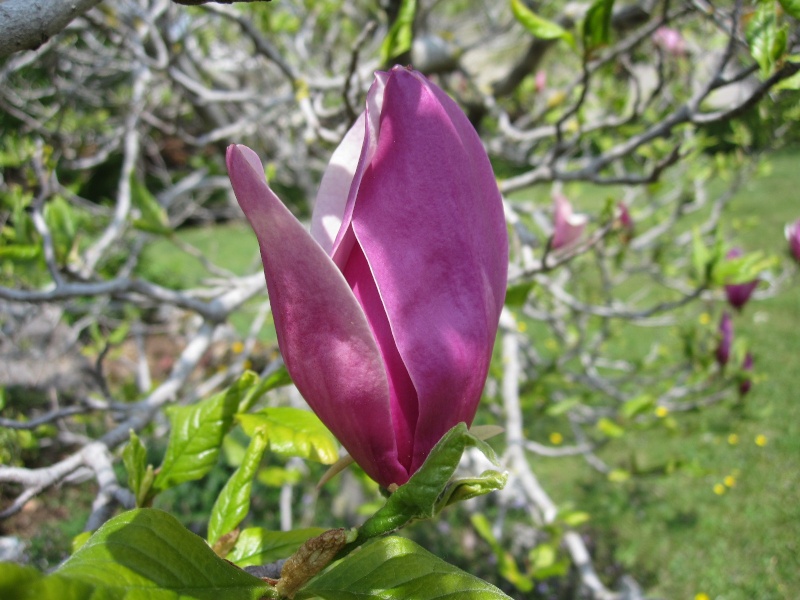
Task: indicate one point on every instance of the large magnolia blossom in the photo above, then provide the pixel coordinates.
(386, 313)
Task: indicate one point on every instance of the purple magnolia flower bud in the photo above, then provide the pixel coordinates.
(745, 383)
(386, 313)
(670, 40)
(792, 232)
(625, 221)
(567, 226)
(725, 339)
(739, 293)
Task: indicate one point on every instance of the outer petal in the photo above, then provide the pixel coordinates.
(429, 219)
(322, 332)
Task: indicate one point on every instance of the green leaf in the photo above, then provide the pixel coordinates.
(26, 583)
(233, 502)
(197, 433)
(61, 221)
(471, 487)
(258, 546)
(597, 25)
(562, 406)
(610, 429)
(575, 518)
(400, 35)
(792, 7)
(277, 379)
(538, 26)
(20, 251)
(397, 568)
(142, 554)
(293, 432)
(153, 216)
(279, 476)
(637, 406)
(766, 39)
(506, 565)
(140, 474)
(517, 295)
(420, 497)
(742, 269)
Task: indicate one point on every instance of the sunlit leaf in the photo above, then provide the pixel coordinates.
(397, 568)
(140, 474)
(792, 7)
(597, 25)
(400, 35)
(258, 546)
(766, 38)
(197, 432)
(421, 497)
(233, 502)
(293, 432)
(539, 26)
(142, 554)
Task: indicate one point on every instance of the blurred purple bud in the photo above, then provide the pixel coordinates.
(670, 40)
(725, 339)
(746, 382)
(739, 293)
(568, 226)
(792, 232)
(540, 81)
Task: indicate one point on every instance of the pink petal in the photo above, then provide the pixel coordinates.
(568, 226)
(429, 220)
(324, 337)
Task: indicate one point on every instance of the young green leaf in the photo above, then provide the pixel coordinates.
(258, 546)
(293, 432)
(140, 474)
(397, 568)
(197, 433)
(767, 40)
(792, 7)
(420, 497)
(539, 27)
(276, 379)
(597, 25)
(140, 555)
(506, 565)
(153, 217)
(233, 502)
(400, 35)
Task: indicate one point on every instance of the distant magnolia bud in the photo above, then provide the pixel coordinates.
(739, 293)
(792, 232)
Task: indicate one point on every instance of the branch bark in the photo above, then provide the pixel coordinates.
(27, 24)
